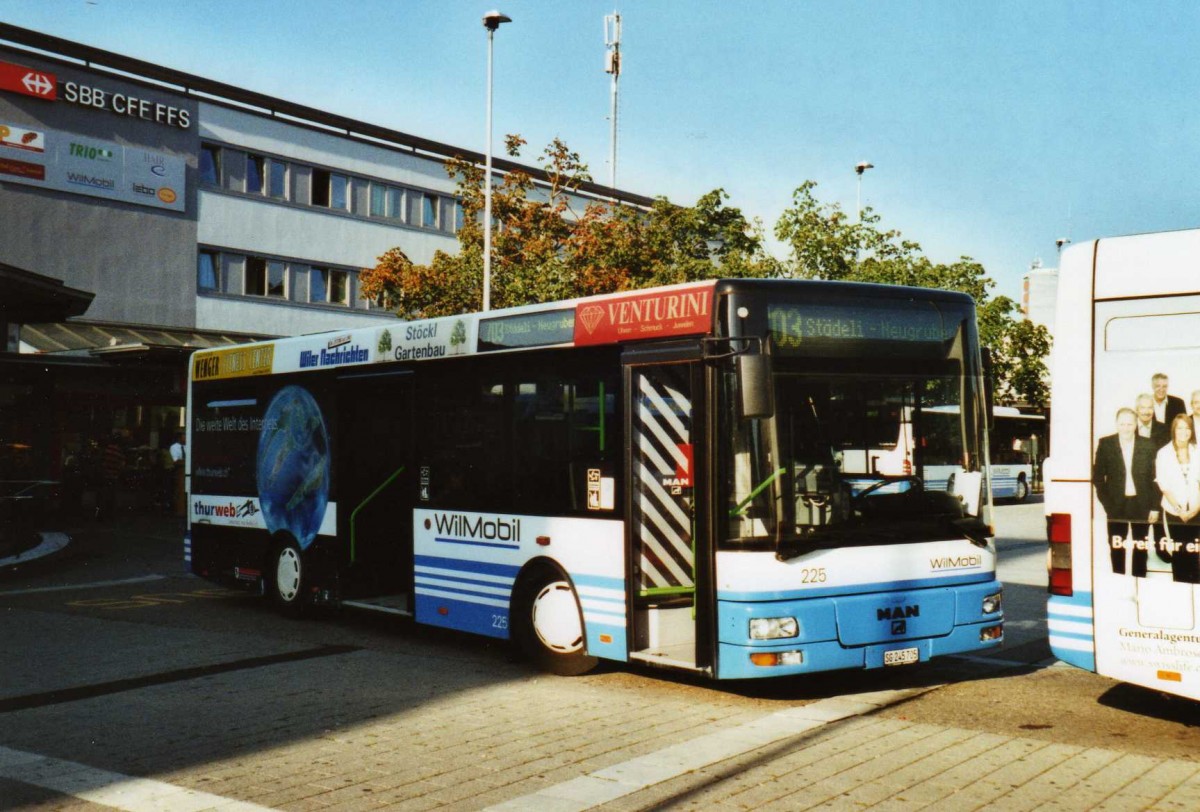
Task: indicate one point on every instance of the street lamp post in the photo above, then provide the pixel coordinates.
(859, 169)
(491, 21)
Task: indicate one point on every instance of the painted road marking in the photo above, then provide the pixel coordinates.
(111, 789)
(51, 543)
(637, 774)
(94, 585)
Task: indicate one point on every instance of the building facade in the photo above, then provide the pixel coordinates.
(197, 214)
(1039, 293)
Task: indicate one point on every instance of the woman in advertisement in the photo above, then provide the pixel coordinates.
(1177, 472)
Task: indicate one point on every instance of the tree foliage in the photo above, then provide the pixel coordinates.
(545, 248)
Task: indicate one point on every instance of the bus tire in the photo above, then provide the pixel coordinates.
(286, 579)
(547, 624)
(1022, 489)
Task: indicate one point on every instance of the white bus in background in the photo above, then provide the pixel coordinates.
(1133, 309)
(1015, 440)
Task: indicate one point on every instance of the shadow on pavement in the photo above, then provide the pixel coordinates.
(1155, 704)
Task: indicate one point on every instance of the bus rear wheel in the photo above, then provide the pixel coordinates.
(548, 625)
(286, 579)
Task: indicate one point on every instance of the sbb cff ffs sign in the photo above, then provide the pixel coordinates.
(30, 82)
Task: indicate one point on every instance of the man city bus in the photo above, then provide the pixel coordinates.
(684, 476)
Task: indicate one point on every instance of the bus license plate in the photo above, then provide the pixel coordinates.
(901, 656)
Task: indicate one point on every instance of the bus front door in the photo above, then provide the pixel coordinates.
(664, 433)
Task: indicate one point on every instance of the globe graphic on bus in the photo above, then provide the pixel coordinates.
(293, 465)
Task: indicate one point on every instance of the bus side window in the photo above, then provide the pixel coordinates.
(561, 429)
(467, 439)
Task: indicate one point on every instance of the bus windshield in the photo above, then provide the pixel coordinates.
(852, 458)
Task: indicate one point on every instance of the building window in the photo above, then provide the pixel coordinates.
(395, 203)
(208, 271)
(256, 276)
(320, 188)
(326, 285)
(429, 211)
(446, 214)
(277, 279)
(338, 198)
(277, 179)
(210, 164)
(254, 174)
(378, 200)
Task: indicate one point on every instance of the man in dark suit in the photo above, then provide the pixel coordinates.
(1195, 411)
(1147, 426)
(1166, 407)
(1124, 478)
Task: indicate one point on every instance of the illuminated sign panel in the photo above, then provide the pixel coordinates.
(527, 330)
(677, 311)
(802, 328)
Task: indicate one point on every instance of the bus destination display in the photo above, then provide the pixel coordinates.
(795, 326)
(527, 330)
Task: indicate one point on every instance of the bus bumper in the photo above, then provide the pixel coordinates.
(829, 639)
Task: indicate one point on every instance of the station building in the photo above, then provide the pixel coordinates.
(146, 213)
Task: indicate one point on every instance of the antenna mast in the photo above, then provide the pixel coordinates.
(612, 66)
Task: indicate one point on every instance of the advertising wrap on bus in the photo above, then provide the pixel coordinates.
(1123, 495)
(1146, 556)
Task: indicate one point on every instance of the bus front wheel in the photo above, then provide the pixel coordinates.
(548, 625)
(286, 579)
(1022, 489)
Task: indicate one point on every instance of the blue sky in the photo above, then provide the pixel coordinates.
(995, 128)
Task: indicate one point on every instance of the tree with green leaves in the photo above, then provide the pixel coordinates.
(824, 243)
(544, 248)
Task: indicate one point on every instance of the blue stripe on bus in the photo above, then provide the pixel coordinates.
(466, 543)
(1078, 599)
(599, 581)
(855, 589)
(463, 616)
(464, 565)
(615, 648)
(425, 588)
(458, 579)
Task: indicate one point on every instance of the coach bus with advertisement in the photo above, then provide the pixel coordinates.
(672, 476)
(1123, 565)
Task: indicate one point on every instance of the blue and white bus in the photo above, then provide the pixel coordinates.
(676, 476)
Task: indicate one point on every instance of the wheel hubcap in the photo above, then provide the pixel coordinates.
(556, 618)
(287, 574)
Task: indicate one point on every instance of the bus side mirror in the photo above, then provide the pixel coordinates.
(756, 385)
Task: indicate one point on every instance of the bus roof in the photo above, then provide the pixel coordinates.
(653, 313)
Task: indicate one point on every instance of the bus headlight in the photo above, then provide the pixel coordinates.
(773, 628)
(992, 603)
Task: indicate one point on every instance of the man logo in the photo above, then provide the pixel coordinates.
(893, 612)
(899, 626)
